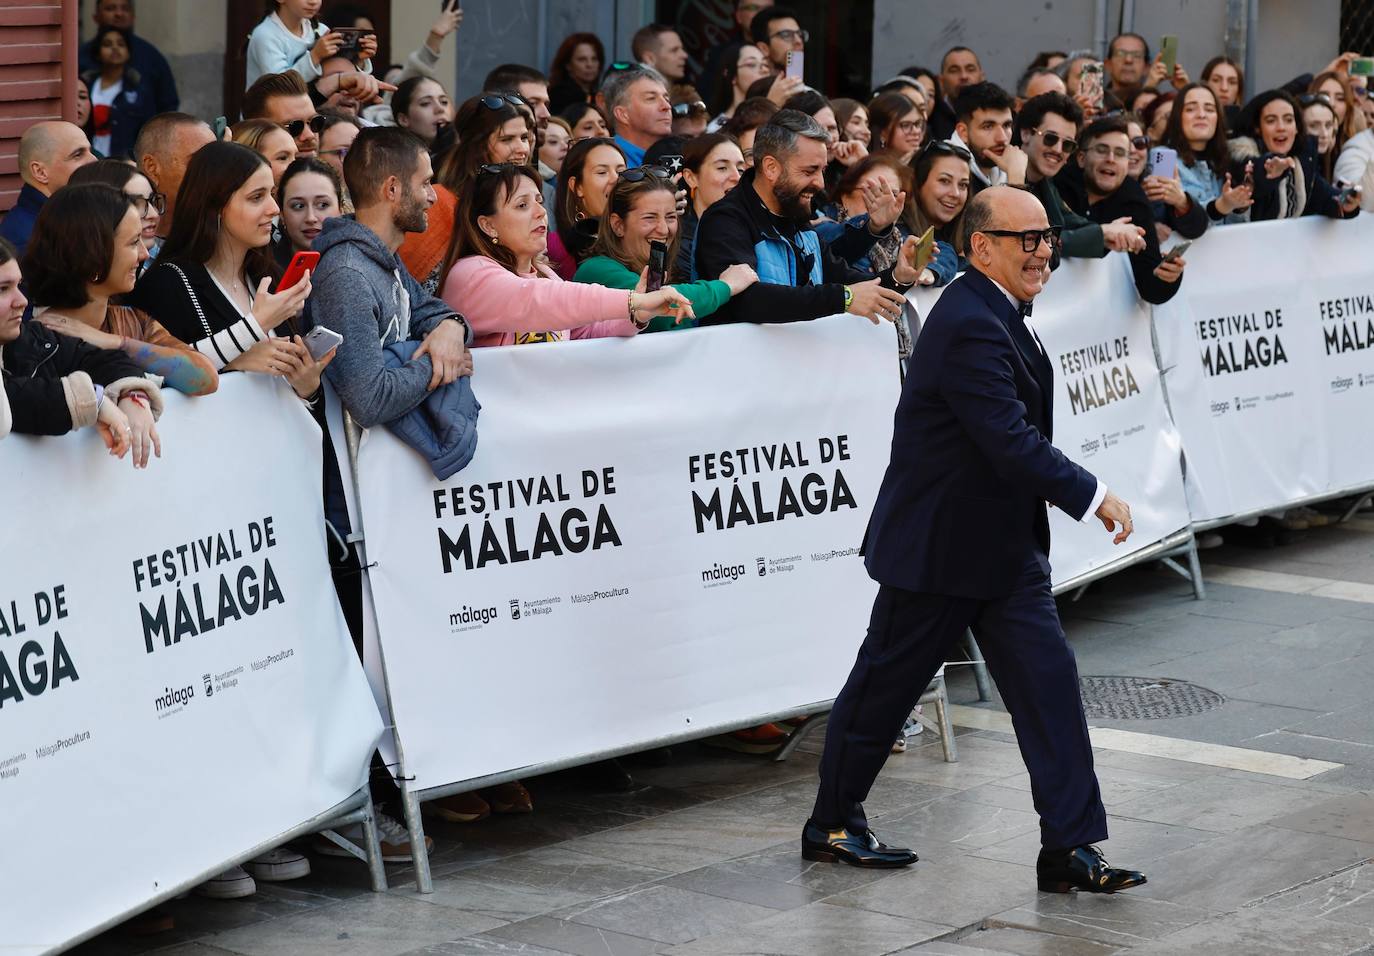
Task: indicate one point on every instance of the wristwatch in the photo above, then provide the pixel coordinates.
(848, 298)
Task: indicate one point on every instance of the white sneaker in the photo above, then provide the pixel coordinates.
(1209, 540)
(233, 884)
(393, 836)
(278, 866)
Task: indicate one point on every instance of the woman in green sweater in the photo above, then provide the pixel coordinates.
(643, 209)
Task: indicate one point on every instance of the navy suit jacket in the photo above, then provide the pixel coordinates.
(961, 510)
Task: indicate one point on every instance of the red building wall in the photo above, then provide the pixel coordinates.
(38, 40)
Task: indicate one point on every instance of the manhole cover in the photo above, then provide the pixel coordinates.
(1145, 698)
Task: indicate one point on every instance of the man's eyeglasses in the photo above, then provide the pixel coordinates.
(494, 101)
(789, 36)
(687, 109)
(1104, 151)
(157, 200)
(1140, 142)
(1052, 139)
(1129, 56)
(1030, 238)
(640, 173)
(947, 148)
(296, 127)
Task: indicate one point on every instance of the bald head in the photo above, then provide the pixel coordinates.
(1003, 258)
(50, 152)
(165, 145)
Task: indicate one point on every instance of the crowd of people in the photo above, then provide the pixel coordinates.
(146, 246)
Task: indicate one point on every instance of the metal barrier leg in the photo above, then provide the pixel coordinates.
(980, 669)
(1360, 503)
(805, 729)
(419, 854)
(376, 869)
(936, 694)
(1195, 566)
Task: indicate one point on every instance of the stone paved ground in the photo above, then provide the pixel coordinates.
(704, 861)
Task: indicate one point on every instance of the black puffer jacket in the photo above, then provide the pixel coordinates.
(50, 380)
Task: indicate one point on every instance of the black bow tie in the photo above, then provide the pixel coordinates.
(1024, 308)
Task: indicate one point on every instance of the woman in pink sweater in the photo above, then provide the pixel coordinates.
(497, 279)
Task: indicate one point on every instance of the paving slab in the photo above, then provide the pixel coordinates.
(1261, 933)
(820, 929)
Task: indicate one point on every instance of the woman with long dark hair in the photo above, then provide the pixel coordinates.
(744, 66)
(1288, 183)
(584, 185)
(585, 120)
(498, 280)
(575, 71)
(137, 187)
(896, 123)
(1197, 132)
(210, 286)
(95, 224)
(309, 193)
(492, 128)
(421, 105)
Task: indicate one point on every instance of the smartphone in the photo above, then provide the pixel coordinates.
(352, 36)
(1362, 66)
(1344, 191)
(925, 249)
(658, 266)
(795, 63)
(300, 263)
(1168, 51)
(221, 123)
(1090, 82)
(1163, 162)
(1178, 250)
(321, 341)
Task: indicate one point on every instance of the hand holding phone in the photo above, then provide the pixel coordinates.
(1168, 52)
(1090, 83)
(1362, 66)
(925, 249)
(795, 64)
(1163, 162)
(658, 266)
(321, 341)
(1177, 251)
(301, 263)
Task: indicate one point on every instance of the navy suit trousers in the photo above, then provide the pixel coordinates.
(909, 636)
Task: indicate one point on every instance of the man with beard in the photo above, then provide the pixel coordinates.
(765, 223)
(983, 127)
(1047, 129)
(363, 292)
(1100, 187)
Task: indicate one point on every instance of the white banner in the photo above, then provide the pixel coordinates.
(656, 535)
(177, 685)
(1109, 409)
(1249, 382)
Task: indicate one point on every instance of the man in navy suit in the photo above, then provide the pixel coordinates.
(959, 538)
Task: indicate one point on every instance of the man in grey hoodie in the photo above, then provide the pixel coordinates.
(363, 291)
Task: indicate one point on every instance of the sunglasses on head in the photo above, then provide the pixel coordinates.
(947, 148)
(687, 109)
(639, 173)
(495, 169)
(619, 66)
(494, 101)
(296, 127)
(1307, 99)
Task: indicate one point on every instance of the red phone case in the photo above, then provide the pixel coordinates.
(301, 262)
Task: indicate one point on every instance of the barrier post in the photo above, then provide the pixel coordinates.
(419, 855)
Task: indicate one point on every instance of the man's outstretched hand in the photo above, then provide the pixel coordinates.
(1112, 512)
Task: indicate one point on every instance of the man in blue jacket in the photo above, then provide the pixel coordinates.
(765, 222)
(143, 56)
(959, 538)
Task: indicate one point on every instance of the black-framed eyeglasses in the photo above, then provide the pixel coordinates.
(494, 101)
(157, 200)
(687, 109)
(637, 174)
(1030, 238)
(296, 127)
(946, 147)
(1052, 139)
(1140, 142)
(788, 36)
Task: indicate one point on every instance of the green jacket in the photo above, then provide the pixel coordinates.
(1081, 238)
(706, 295)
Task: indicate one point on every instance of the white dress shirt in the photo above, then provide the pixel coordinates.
(1101, 488)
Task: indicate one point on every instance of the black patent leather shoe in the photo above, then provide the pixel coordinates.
(855, 847)
(1082, 868)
